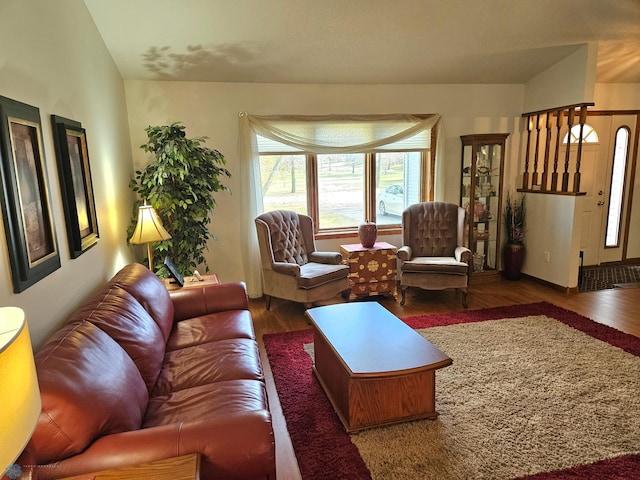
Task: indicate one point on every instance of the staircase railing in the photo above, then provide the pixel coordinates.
(544, 158)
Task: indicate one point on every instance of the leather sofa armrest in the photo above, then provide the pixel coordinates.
(404, 253)
(463, 254)
(328, 258)
(194, 302)
(234, 443)
(285, 268)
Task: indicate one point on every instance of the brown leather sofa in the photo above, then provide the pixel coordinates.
(139, 374)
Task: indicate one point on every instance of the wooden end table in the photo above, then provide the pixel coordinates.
(186, 467)
(374, 368)
(372, 271)
(191, 282)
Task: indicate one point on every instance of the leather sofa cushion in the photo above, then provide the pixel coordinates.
(121, 316)
(150, 292)
(210, 328)
(315, 274)
(89, 387)
(211, 401)
(230, 359)
(435, 265)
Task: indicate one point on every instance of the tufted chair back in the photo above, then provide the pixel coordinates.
(286, 231)
(433, 229)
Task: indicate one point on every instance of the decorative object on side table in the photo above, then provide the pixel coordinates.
(514, 250)
(368, 233)
(180, 184)
(148, 229)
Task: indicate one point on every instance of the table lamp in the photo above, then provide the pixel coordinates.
(18, 386)
(148, 229)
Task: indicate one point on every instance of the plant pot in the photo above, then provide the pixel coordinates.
(513, 258)
(368, 232)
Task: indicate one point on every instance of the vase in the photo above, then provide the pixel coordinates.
(513, 258)
(367, 232)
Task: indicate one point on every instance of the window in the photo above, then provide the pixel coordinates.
(344, 171)
(589, 134)
(340, 191)
(614, 215)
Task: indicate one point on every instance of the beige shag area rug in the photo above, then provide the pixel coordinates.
(523, 395)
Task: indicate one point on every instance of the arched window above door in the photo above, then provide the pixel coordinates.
(589, 134)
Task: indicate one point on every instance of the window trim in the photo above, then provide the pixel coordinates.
(427, 183)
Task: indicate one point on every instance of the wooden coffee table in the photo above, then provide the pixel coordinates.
(374, 368)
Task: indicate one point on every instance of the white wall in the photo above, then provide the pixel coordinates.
(617, 96)
(212, 109)
(54, 59)
(553, 226)
(568, 82)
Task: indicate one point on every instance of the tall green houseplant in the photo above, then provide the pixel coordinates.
(180, 184)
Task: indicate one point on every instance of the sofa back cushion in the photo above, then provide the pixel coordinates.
(121, 317)
(150, 292)
(90, 387)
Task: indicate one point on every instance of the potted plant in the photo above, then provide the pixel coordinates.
(514, 250)
(180, 184)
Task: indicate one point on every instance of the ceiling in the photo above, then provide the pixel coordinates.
(365, 41)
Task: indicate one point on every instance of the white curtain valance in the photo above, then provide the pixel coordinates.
(340, 134)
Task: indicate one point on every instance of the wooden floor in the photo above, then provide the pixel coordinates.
(619, 308)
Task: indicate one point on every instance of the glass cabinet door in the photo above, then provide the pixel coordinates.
(481, 195)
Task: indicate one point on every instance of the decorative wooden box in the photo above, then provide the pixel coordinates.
(372, 271)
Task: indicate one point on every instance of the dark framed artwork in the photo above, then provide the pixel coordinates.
(26, 208)
(75, 184)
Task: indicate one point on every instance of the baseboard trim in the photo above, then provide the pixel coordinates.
(555, 286)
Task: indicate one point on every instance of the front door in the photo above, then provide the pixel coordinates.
(604, 222)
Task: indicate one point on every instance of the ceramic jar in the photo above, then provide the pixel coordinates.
(368, 232)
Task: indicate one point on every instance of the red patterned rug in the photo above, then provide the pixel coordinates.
(325, 451)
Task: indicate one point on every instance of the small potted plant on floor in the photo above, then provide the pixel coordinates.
(514, 250)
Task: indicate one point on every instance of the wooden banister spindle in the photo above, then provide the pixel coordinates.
(525, 174)
(576, 175)
(534, 180)
(554, 175)
(545, 166)
(565, 174)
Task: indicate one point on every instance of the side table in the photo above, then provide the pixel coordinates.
(192, 282)
(372, 271)
(186, 467)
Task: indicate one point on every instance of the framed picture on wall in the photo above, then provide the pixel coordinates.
(76, 186)
(28, 221)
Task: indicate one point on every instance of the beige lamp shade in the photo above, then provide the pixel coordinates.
(18, 386)
(148, 229)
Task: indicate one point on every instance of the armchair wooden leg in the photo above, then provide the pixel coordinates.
(268, 299)
(402, 291)
(464, 298)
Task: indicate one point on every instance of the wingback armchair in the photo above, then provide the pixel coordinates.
(433, 255)
(292, 269)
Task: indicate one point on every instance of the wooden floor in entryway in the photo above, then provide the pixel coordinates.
(618, 308)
